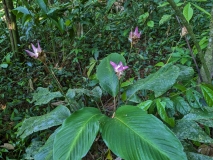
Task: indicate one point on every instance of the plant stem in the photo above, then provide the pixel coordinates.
(190, 31)
(73, 107)
(192, 55)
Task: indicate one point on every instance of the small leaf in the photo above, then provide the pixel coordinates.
(160, 64)
(162, 112)
(145, 105)
(38, 123)
(44, 96)
(150, 24)
(8, 146)
(22, 10)
(164, 19)
(193, 97)
(188, 12)
(4, 65)
(43, 6)
(201, 9)
(181, 105)
(207, 91)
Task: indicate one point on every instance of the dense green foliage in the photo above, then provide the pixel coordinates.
(70, 104)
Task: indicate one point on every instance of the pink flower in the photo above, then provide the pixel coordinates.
(134, 35)
(36, 51)
(118, 68)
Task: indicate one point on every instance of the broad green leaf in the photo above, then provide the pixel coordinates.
(158, 82)
(193, 97)
(43, 6)
(164, 19)
(162, 112)
(196, 156)
(150, 24)
(188, 12)
(181, 105)
(77, 134)
(185, 129)
(133, 134)
(38, 123)
(96, 92)
(207, 91)
(145, 105)
(106, 75)
(44, 96)
(203, 116)
(186, 73)
(46, 151)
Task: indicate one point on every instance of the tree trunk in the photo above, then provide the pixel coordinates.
(209, 52)
(207, 79)
(11, 24)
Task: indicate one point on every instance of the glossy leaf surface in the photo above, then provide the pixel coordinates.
(134, 134)
(106, 74)
(77, 134)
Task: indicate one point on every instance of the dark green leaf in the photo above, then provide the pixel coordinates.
(106, 74)
(158, 82)
(38, 123)
(44, 96)
(77, 134)
(185, 129)
(133, 134)
(181, 105)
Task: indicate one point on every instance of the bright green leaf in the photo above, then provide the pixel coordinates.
(207, 91)
(145, 105)
(188, 12)
(164, 19)
(150, 24)
(162, 112)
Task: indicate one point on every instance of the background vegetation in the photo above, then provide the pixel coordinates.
(77, 37)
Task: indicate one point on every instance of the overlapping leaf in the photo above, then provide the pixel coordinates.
(38, 123)
(106, 74)
(77, 134)
(134, 134)
(158, 82)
